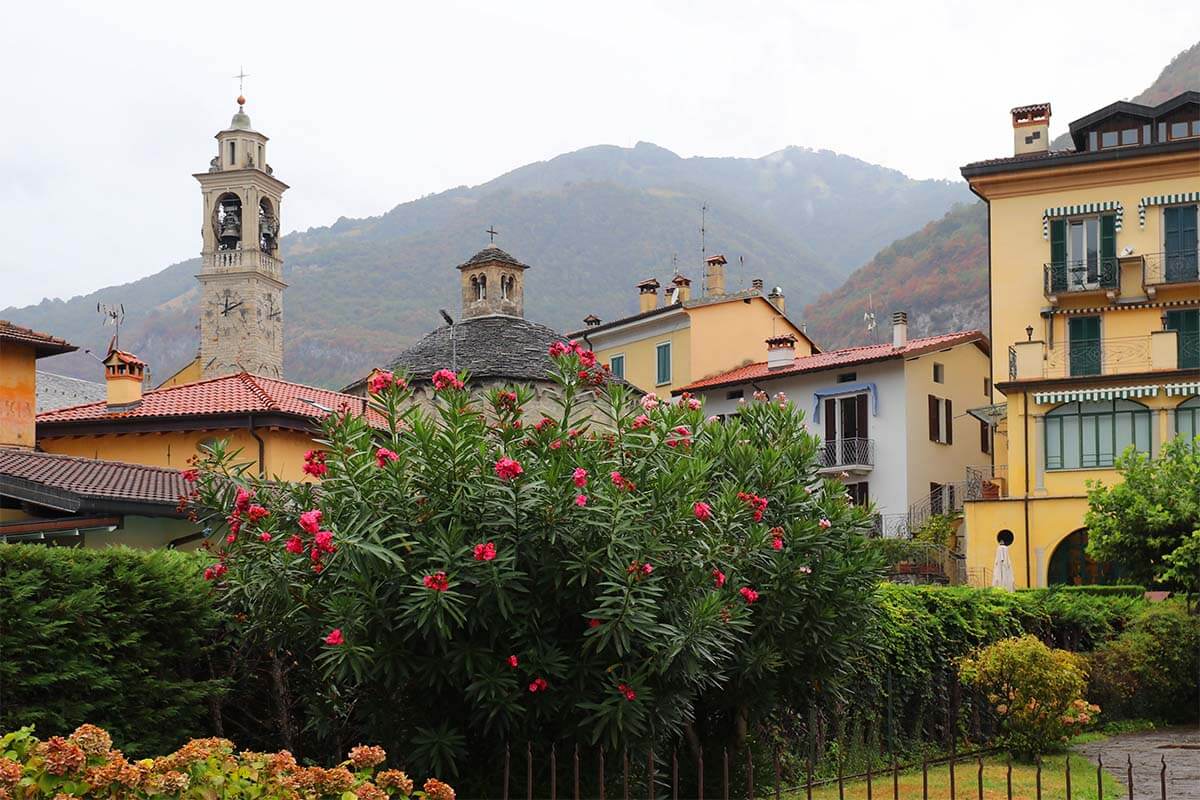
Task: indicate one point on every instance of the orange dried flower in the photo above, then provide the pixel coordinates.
(10, 772)
(92, 740)
(395, 780)
(366, 756)
(436, 790)
(62, 757)
(369, 791)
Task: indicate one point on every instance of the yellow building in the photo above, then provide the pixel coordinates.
(1095, 316)
(666, 346)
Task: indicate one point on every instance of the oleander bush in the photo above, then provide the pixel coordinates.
(84, 764)
(465, 577)
(116, 636)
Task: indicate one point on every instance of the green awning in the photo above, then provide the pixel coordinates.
(1104, 393)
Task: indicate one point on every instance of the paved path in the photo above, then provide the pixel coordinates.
(1180, 746)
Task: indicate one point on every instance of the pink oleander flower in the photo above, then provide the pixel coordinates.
(581, 500)
(513, 662)
(587, 358)
(508, 468)
(383, 457)
(718, 578)
(703, 511)
(650, 401)
(294, 545)
(804, 570)
(580, 477)
(334, 638)
(191, 475)
(264, 537)
(777, 543)
(616, 479)
(593, 623)
(640, 421)
(760, 396)
(382, 380)
(538, 685)
(693, 404)
(323, 542)
(748, 594)
(543, 423)
(712, 419)
(256, 512)
(437, 582)
(826, 524)
(558, 349)
(310, 521)
(647, 568)
(242, 501)
(231, 538)
(485, 551)
(626, 692)
(445, 379)
(314, 463)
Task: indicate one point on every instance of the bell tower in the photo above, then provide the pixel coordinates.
(241, 275)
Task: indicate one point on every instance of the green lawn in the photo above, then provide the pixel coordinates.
(966, 775)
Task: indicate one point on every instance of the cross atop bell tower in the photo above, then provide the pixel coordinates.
(241, 274)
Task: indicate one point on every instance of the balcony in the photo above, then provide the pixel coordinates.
(853, 455)
(1180, 268)
(986, 482)
(1126, 355)
(239, 260)
(1096, 276)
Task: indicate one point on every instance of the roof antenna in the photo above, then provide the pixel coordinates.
(703, 251)
(741, 272)
(113, 315)
(869, 318)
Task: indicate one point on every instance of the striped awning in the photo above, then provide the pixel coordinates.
(1107, 393)
(1089, 310)
(1182, 389)
(1082, 208)
(1163, 200)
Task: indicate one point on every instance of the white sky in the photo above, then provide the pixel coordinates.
(109, 107)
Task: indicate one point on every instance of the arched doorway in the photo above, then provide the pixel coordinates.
(1070, 565)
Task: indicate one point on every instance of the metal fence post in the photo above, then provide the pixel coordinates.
(895, 778)
(1099, 776)
(529, 769)
(1008, 777)
(507, 758)
(1068, 776)
(1162, 778)
(778, 776)
(870, 794)
(1038, 777)
(979, 778)
(924, 777)
(808, 780)
(1129, 774)
(553, 772)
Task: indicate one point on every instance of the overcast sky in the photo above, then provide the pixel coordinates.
(108, 108)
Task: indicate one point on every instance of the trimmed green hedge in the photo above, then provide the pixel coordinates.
(1129, 590)
(117, 637)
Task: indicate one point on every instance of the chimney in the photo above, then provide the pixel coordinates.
(647, 295)
(899, 329)
(781, 351)
(1031, 129)
(591, 321)
(776, 298)
(123, 376)
(714, 276)
(757, 285)
(683, 287)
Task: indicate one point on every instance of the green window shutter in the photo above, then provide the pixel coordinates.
(663, 351)
(1083, 341)
(1058, 255)
(1108, 250)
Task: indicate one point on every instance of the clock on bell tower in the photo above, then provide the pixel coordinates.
(241, 274)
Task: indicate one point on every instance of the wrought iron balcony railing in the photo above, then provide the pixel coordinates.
(1166, 268)
(850, 452)
(1115, 356)
(1086, 275)
(986, 482)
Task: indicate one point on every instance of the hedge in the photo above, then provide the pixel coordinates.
(115, 637)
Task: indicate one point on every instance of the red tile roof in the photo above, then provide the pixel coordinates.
(839, 358)
(239, 393)
(90, 479)
(43, 343)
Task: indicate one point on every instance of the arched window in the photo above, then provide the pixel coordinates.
(268, 226)
(1187, 419)
(1093, 434)
(227, 221)
(1071, 566)
(506, 284)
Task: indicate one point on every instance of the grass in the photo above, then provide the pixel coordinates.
(966, 773)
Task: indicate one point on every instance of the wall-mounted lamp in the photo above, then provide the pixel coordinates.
(1029, 333)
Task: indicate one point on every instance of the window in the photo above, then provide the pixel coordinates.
(662, 354)
(846, 431)
(616, 365)
(985, 437)
(735, 394)
(987, 387)
(260, 157)
(1092, 434)
(847, 377)
(941, 420)
(1108, 139)
(1129, 136)
(1084, 355)
(1187, 419)
(232, 154)
(939, 373)
(1187, 324)
(1179, 130)
(1083, 253)
(859, 493)
(1180, 243)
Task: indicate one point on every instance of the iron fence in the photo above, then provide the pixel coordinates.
(851, 451)
(659, 776)
(986, 482)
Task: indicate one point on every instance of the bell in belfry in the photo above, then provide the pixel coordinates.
(231, 229)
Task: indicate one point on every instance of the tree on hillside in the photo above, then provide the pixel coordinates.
(1150, 521)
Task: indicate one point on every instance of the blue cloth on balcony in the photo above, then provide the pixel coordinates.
(840, 389)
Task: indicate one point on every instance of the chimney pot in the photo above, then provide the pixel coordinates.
(757, 284)
(781, 351)
(776, 297)
(899, 329)
(591, 320)
(123, 377)
(1031, 128)
(714, 275)
(647, 295)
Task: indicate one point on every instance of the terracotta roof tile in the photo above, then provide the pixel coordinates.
(839, 358)
(93, 479)
(44, 344)
(239, 393)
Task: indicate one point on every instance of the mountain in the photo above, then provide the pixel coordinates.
(939, 274)
(591, 222)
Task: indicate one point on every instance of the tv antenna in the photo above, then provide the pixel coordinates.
(703, 252)
(869, 318)
(113, 315)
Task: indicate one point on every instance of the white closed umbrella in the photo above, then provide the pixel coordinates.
(1002, 571)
